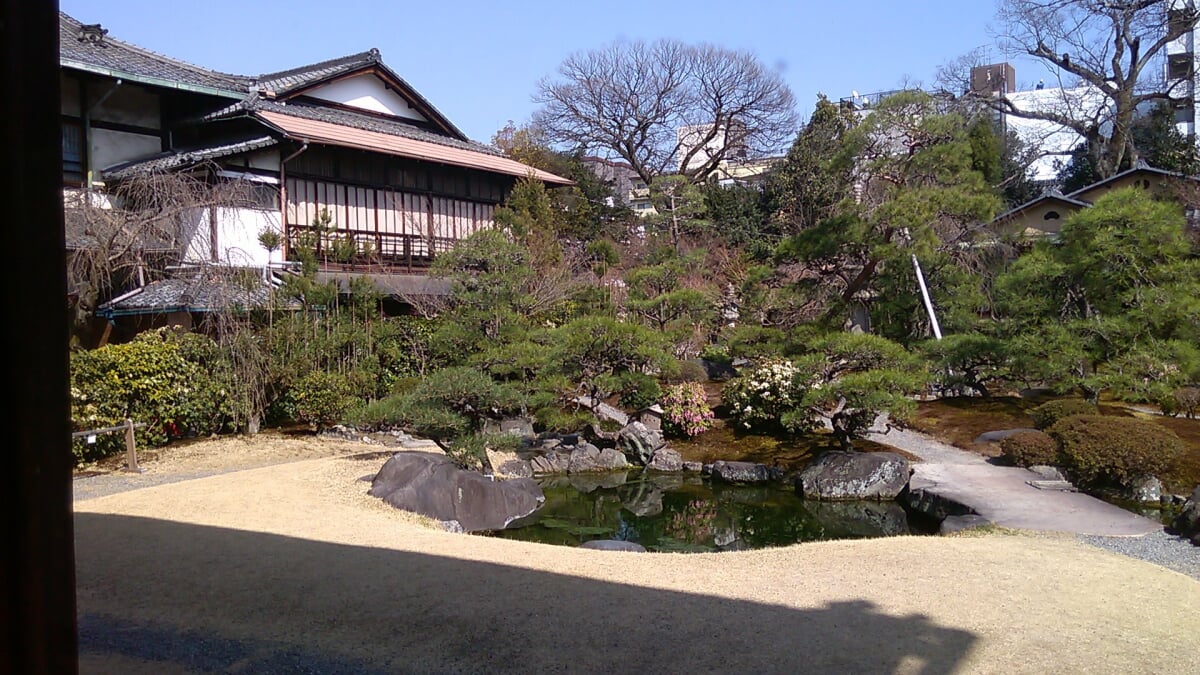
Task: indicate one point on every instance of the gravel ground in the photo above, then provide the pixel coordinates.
(1160, 548)
(294, 568)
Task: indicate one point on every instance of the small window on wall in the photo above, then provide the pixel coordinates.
(72, 151)
(1050, 215)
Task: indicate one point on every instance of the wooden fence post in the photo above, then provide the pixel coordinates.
(131, 448)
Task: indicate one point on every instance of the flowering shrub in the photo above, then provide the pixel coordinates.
(761, 397)
(685, 409)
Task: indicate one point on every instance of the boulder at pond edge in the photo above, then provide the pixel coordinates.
(854, 475)
(433, 486)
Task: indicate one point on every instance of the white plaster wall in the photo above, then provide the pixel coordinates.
(368, 93)
(237, 237)
(267, 160)
(113, 147)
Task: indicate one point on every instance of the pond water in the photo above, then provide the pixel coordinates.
(690, 513)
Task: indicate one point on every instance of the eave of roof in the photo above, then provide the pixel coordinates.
(117, 59)
(1034, 202)
(198, 295)
(327, 133)
(177, 159)
(1141, 168)
(295, 81)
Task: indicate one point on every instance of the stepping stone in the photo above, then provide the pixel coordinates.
(1060, 485)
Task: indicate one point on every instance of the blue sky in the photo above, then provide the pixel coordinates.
(479, 61)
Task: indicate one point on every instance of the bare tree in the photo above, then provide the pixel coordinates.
(129, 235)
(1106, 58)
(667, 106)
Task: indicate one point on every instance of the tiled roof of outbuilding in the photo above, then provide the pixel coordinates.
(208, 291)
(177, 159)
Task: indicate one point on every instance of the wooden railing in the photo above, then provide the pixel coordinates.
(375, 250)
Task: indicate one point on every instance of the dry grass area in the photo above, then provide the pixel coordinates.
(293, 568)
(959, 421)
(224, 453)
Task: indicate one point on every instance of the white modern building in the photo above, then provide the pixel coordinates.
(1180, 70)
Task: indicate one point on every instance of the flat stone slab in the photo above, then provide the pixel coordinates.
(997, 436)
(1004, 496)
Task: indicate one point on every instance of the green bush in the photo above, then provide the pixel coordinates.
(1106, 450)
(149, 380)
(470, 452)
(639, 390)
(558, 420)
(689, 371)
(1045, 415)
(1030, 448)
(760, 397)
(321, 399)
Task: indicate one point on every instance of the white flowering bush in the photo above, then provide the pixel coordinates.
(685, 409)
(760, 398)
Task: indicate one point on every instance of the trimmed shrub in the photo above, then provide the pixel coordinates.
(470, 452)
(1187, 401)
(1045, 415)
(639, 390)
(685, 410)
(689, 371)
(153, 380)
(1106, 450)
(321, 399)
(1030, 448)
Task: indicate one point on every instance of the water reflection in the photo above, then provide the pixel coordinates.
(674, 512)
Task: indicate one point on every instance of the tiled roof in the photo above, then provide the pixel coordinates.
(280, 83)
(208, 291)
(340, 135)
(176, 159)
(85, 228)
(90, 48)
(365, 122)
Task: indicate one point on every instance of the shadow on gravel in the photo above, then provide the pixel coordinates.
(174, 596)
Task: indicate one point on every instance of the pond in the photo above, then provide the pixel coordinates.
(689, 513)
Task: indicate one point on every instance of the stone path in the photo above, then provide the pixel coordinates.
(1003, 495)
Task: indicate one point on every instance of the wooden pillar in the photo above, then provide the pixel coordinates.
(37, 622)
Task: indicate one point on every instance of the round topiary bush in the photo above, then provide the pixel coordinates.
(1045, 415)
(1106, 450)
(1030, 448)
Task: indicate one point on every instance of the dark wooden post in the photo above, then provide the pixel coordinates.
(37, 622)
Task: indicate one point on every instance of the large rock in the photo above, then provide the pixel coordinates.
(666, 459)
(587, 458)
(554, 461)
(432, 486)
(1187, 523)
(854, 475)
(744, 472)
(997, 436)
(639, 443)
(1144, 489)
(508, 465)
